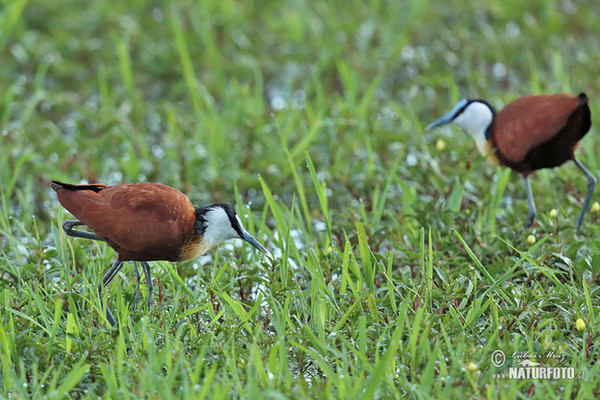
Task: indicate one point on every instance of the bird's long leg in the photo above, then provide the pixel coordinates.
(137, 287)
(148, 274)
(106, 279)
(68, 228)
(530, 204)
(112, 272)
(591, 184)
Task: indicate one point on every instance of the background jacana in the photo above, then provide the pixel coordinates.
(530, 133)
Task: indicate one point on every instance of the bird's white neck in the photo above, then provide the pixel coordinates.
(475, 120)
(217, 230)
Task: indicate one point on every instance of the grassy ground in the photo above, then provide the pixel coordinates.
(398, 265)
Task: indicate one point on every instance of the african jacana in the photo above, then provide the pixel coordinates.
(147, 222)
(530, 133)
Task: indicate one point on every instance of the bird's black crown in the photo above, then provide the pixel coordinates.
(201, 222)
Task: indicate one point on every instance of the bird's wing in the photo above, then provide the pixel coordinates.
(530, 121)
(138, 217)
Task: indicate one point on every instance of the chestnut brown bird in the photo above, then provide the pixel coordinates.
(531, 133)
(147, 222)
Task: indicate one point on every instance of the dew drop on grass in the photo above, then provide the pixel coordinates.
(201, 151)
(21, 249)
(407, 53)
(158, 14)
(499, 70)
(21, 80)
(158, 152)
(273, 170)
(69, 125)
(277, 98)
(296, 235)
(319, 226)
(411, 160)
(512, 30)
(114, 178)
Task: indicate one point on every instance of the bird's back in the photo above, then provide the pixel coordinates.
(540, 131)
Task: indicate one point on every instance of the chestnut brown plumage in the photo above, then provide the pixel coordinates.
(530, 133)
(147, 222)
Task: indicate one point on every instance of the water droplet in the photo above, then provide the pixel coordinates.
(115, 178)
(512, 30)
(158, 14)
(278, 103)
(158, 152)
(499, 70)
(411, 160)
(407, 53)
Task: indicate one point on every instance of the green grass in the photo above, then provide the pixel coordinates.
(395, 270)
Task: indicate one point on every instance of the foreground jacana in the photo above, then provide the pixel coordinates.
(531, 133)
(147, 222)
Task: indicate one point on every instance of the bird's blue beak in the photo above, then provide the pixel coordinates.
(248, 238)
(448, 117)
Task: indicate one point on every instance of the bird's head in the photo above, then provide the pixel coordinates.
(473, 116)
(218, 223)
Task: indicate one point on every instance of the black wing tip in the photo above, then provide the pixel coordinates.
(57, 185)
